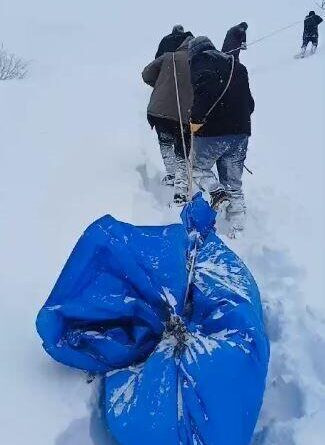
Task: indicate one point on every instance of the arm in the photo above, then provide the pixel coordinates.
(249, 94)
(161, 48)
(159, 51)
(240, 35)
(243, 37)
(319, 20)
(151, 72)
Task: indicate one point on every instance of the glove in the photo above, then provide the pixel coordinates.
(195, 127)
(244, 46)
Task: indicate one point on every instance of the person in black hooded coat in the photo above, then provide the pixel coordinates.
(221, 123)
(310, 35)
(235, 40)
(172, 41)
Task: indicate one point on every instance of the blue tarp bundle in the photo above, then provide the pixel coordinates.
(183, 348)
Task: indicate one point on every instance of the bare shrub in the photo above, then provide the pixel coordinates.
(11, 66)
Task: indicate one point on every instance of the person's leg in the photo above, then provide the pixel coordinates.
(305, 41)
(314, 42)
(206, 152)
(181, 176)
(204, 157)
(230, 168)
(166, 142)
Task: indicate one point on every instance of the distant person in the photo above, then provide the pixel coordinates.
(235, 40)
(221, 123)
(310, 35)
(172, 41)
(163, 114)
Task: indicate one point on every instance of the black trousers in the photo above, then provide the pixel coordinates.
(170, 131)
(310, 38)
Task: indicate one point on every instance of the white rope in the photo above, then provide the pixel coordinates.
(190, 182)
(225, 90)
(187, 163)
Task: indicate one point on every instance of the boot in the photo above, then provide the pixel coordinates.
(180, 199)
(313, 49)
(168, 180)
(217, 198)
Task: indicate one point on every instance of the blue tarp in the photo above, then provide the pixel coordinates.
(184, 364)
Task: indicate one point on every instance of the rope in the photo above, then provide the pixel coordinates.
(187, 162)
(248, 170)
(322, 5)
(190, 182)
(225, 90)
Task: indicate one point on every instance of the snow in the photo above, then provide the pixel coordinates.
(75, 145)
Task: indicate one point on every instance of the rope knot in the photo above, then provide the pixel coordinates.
(176, 327)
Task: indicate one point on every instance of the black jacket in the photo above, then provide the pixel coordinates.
(311, 25)
(171, 42)
(235, 37)
(210, 72)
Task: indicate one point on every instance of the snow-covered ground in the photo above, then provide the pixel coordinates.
(75, 145)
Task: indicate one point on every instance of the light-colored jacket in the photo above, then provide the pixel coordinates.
(160, 75)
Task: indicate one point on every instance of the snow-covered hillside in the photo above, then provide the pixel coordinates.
(75, 145)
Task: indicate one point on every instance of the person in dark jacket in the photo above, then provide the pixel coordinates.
(235, 40)
(221, 123)
(163, 114)
(310, 35)
(172, 41)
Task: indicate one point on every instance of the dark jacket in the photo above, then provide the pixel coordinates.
(160, 75)
(235, 37)
(171, 42)
(210, 72)
(311, 25)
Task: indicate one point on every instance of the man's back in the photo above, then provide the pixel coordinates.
(311, 24)
(210, 72)
(160, 75)
(172, 41)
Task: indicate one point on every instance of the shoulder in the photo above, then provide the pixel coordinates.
(241, 70)
(201, 59)
(241, 67)
(166, 38)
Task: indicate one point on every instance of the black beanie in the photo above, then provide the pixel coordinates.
(178, 29)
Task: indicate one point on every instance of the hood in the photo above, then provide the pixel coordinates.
(243, 25)
(198, 45)
(178, 29)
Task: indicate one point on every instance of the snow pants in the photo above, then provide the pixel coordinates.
(313, 39)
(172, 152)
(228, 153)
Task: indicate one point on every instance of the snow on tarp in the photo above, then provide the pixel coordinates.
(182, 371)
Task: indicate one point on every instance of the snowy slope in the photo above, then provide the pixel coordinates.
(75, 145)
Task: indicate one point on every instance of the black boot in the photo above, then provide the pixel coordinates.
(168, 180)
(217, 198)
(180, 199)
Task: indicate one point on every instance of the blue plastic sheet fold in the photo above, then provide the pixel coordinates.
(173, 319)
